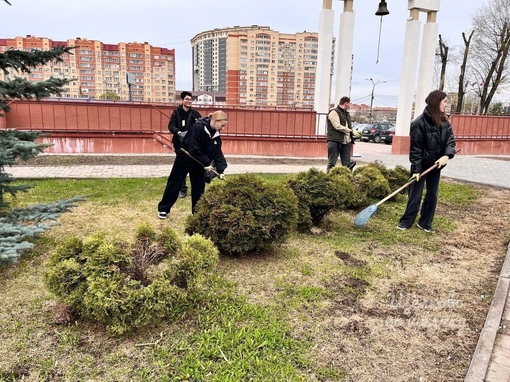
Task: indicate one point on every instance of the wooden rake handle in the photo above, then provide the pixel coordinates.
(407, 184)
(410, 181)
(200, 163)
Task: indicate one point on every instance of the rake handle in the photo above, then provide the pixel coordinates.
(200, 163)
(407, 184)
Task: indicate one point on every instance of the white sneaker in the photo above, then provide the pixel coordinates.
(429, 230)
(162, 214)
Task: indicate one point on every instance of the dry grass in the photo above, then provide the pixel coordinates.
(405, 308)
(418, 321)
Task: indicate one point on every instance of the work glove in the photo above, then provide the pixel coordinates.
(222, 176)
(209, 168)
(416, 177)
(182, 134)
(442, 161)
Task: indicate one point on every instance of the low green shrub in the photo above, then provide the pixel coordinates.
(127, 285)
(318, 194)
(349, 197)
(244, 214)
(368, 179)
(396, 177)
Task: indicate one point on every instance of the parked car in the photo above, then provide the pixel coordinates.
(372, 131)
(387, 135)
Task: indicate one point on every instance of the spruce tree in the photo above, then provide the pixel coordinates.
(19, 225)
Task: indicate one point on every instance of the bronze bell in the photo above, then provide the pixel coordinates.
(383, 9)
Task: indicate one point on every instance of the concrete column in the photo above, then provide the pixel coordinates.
(428, 53)
(344, 52)
(323, 74)
(407, 80)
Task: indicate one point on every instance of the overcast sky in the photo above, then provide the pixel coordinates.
(172, 24)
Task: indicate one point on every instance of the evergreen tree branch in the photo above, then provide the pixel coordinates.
(20, 225)
(22, 61)
(20, 88)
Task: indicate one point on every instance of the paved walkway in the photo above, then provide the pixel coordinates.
(491, 360)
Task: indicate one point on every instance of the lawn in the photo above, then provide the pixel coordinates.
(339, 304)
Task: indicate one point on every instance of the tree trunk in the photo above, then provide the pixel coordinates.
(462, 87)
(488, 62)
(443, 53)
(496, 70)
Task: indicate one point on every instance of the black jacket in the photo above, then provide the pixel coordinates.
(175, 124)
(204, 144)
(429, 143)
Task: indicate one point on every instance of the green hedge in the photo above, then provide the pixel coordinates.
(125, 286)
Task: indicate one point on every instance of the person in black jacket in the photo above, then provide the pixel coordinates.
(432, 141)
(203, 143)
(181, 120)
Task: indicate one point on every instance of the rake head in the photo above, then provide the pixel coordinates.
(361, 218)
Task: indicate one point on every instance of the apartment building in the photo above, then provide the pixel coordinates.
(101, 70)
(256, 66)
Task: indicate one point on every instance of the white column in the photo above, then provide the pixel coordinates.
(344, 52)
(323, 74)
(428, 53)
(408, 76)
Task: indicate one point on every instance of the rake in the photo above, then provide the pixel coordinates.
(200, 163)
(361, 219)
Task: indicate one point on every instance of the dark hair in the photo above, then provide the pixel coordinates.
(433, 100)
(344, 100)
(185, 94)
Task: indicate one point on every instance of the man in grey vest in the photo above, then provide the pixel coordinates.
(340, 135)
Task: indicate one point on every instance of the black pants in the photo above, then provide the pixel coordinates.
(180, 170)
(336, 149)
(184, 187)
(428, 208)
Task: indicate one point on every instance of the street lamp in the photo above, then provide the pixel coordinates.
(374, 83)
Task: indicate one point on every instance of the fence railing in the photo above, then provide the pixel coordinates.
(481, 126)
(123, 117)
(477, 133)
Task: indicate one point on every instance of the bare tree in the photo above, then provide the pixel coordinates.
(443, 56)
(490, 49)
(462, 86)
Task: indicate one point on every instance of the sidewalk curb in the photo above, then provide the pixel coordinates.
(482, 356)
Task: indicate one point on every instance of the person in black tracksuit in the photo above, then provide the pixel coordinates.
(432, 141)
(203, 143)
(181, 120)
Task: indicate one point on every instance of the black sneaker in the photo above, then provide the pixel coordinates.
(401, 227)
(182, 194)
(162, 214)
(429, 230)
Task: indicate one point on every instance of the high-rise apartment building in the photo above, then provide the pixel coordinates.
(101, 69)
(257, 66)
